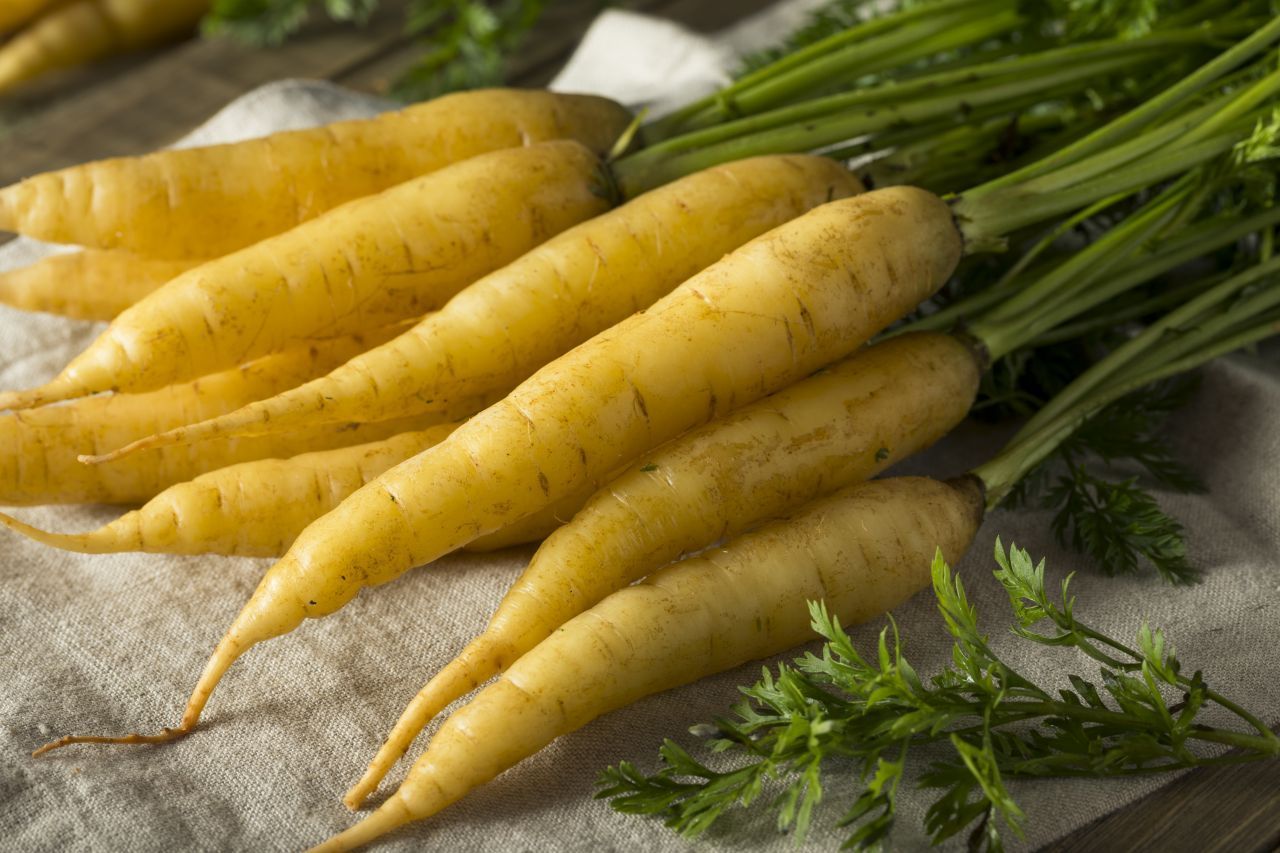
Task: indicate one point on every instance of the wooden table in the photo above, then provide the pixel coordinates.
(135, 104)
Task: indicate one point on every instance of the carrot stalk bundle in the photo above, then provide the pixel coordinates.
(110, 370)
(500, 330)
(863, 551)
(370, 262)
(832, 430)
(90, 285)
(79, 31)
(213, 200)
(887, 41)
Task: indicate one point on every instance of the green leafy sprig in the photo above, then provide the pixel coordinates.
(1142, 715)
(1117, 522)
(465, 42)
(270, 22)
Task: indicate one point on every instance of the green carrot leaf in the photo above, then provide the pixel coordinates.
(840, 711)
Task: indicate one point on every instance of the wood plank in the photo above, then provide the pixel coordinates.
(30, 101)
(1225, 809)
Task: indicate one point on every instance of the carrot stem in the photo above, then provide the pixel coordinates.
(850, 53)
(1151, 110)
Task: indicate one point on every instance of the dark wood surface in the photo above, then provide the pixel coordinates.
(134, 104)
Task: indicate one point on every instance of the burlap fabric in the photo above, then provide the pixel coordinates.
(114, 644)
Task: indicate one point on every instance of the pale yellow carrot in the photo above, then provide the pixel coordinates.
(844, 425)
(862, 551)
(501, 329)
(88, 285)
(210, 201)
(372, 261)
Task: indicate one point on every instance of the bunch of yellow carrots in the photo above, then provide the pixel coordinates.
(476, 332)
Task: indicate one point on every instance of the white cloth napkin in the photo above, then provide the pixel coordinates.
(114, 644)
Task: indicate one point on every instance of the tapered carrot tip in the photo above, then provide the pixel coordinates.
(165, 736)
(157, 440)
(104, 458)
(57, 540)
(477, 662)
(52, 393)
(389, 816)
(17, 400)
(359, 792)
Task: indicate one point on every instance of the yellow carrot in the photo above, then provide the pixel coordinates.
(252, 509)
(82, 31)
(862, 551)
(88, 285)
(772, 312)
(501, 329)
(210, 201)
(38, 448)
(837, 428)
(15, 13)
(372, 261)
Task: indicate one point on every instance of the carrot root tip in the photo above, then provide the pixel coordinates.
(167, 735)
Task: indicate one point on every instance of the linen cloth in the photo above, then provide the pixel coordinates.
(113, 644)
